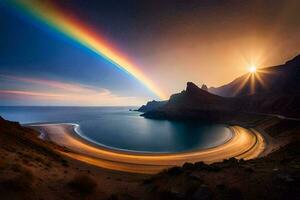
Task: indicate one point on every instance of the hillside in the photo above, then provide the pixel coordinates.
(30, 168)
(33, 169)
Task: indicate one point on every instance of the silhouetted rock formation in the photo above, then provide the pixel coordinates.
(151, 105)
(191, 87)
(280, 95)
(194, 97)
(204, 87)
(192, 103)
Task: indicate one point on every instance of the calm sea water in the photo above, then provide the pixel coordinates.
(119, 128)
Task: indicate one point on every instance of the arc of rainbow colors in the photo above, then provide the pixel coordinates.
(52, 16)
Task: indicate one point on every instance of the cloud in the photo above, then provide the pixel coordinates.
(49, 83)
(30, 93)
(62, 93)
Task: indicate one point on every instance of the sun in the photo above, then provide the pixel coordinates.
(252, 69)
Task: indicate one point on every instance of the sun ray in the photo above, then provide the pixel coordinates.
(260, 80)
(241, 86)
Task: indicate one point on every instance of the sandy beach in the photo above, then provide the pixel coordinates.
(245, 143)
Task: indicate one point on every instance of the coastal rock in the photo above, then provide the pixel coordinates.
(204, 87)
(192, 103)
(191, 87)
(151, 105)
(188, 166)
(174, 171)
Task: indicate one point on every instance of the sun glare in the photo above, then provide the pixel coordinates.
(252, 69)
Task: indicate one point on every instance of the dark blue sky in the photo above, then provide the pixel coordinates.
(28, 49)
(31, 50)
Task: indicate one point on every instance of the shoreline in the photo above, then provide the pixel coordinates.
(245, 143)
(76, 133)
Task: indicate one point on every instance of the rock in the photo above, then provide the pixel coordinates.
(204, 87)
(234, 193)
(202, 193)
(151, 105)
(176, 193)
(175, 171)
(188, 166)
(195, 177)
(231, 161)
(203, 166)
(249, 169)
(191, 87)
(170, 195)
(221, 186)
(121, 196)
(284, 177)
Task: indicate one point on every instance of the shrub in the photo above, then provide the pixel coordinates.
(83, 184)
(174, 171)
(22, 182)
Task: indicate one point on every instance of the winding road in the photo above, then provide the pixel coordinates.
(245, 143)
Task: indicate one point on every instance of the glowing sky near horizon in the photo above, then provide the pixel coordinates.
(161, 46)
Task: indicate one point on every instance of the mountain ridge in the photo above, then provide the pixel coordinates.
(274, 78)
(280, 97)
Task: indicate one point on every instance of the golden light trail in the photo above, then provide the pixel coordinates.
(245, 144)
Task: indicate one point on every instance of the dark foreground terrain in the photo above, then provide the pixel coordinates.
(31, 168)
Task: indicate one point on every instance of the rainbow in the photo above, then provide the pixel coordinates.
(52, 16)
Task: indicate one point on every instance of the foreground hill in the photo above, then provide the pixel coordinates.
(31, 168)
